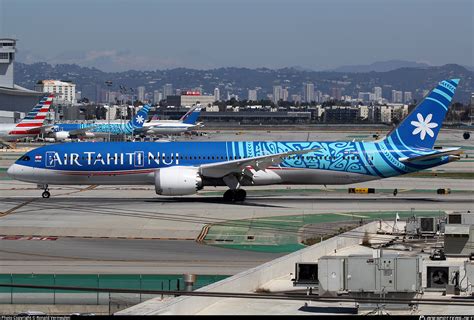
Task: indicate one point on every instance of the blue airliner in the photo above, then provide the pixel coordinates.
(183, 168)
(62, 131)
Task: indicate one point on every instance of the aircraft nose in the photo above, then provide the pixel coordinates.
(13, 171)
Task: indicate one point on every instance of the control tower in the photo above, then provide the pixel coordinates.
(12, 96)
(7, 56)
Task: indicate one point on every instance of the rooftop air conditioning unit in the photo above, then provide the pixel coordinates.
(437, 277)
(428, 225)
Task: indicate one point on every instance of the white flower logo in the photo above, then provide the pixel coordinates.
(423, 126)
(139, 119)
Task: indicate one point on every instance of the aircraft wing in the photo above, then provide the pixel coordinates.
(221, 169)
(437, 154)
(33, 129)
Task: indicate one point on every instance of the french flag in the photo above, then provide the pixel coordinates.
(38, 158)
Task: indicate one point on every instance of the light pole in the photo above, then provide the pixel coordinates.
(132, 137)
(109, 84)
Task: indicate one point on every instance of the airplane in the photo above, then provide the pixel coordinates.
(63, 131)
(184, 168)
(30, 125)
(185, 123)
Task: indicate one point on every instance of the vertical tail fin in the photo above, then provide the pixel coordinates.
(192, 116)
(38, 114)
(34, 120)
(421, 127)
(141, 117)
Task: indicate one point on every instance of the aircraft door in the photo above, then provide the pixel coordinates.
(138, 159)
(50, 159)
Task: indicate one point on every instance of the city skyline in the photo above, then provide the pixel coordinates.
(317, 35)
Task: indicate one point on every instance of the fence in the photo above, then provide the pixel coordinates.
(115, 281)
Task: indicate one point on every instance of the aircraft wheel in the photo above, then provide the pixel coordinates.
(229, 195)
(240, 195)
(46, 194)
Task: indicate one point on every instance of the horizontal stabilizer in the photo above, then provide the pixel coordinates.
(437, 154)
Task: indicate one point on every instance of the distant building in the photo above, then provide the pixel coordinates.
(284, 94)
(399, 111)
(363, 112)
(217, 94)
(157, 96)
(192, 100)
(167, 90)
(112, 97)
(336, 93)
(64, 91)
(378, 93)
(308, 92)
(364, 96)
(252, 95)
(318, 96)
(277, 93)
(296, 98)
(407, 97)
(341, 114)
(141, 93)
(257, 117)
(12, 96)
(188, 100)
(397, 96)
(385, 114)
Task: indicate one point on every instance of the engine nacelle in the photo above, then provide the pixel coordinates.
(61, 135)
(177, 181)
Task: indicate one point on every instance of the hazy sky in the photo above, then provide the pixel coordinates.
(117, 35)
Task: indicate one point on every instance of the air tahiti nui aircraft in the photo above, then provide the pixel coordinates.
(183, 168)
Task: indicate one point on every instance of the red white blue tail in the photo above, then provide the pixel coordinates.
(34, 120)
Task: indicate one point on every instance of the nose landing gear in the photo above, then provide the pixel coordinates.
(45, 193)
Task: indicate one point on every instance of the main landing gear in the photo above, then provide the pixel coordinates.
(235, 195)
(45, 193)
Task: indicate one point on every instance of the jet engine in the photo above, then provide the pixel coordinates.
(61, 135)
(177, 181)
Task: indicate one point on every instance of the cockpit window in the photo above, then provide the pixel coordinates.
(24, 158)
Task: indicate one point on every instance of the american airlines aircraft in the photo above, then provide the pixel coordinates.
(30, 125)
(183, 168)
(63, 131)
